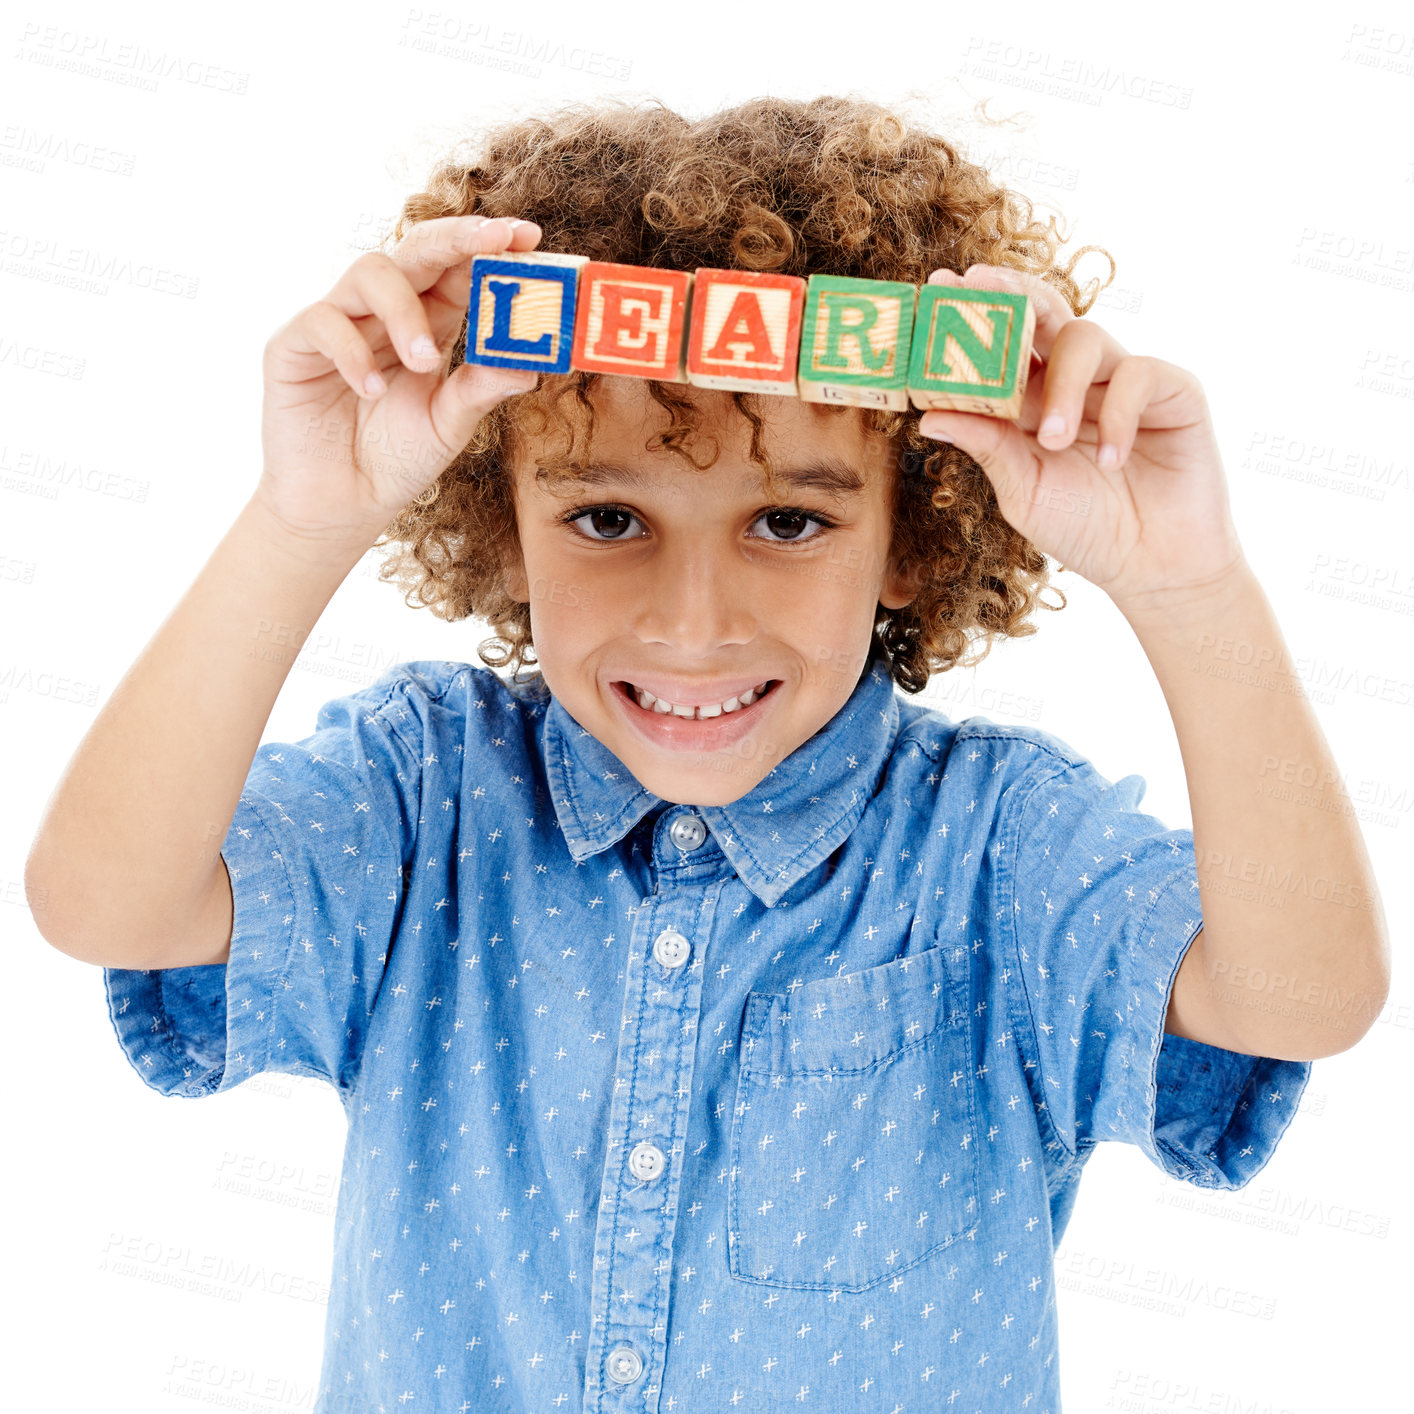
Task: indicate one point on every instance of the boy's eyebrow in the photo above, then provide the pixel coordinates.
(833, 476)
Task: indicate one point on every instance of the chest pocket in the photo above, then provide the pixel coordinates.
(854, 1150)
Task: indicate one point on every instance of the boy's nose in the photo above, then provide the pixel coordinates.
(697, 604)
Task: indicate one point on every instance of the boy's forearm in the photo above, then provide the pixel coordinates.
(131, 837)
(1294, 937)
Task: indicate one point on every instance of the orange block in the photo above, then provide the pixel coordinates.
(744, 331)
(630, 320)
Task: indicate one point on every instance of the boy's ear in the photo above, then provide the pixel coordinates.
(513, 573)
(900, 587)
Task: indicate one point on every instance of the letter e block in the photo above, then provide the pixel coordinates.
(631, 319)
(855, 341)
(971, 350)
(520, 313)
(744, 331)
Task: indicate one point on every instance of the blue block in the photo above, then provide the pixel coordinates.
(496, 284)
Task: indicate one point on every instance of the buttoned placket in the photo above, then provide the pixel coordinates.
(649, 1116)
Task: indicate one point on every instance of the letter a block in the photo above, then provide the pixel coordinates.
(631, 319)
(971, 350)
(855, 341)
(521, 310)
(744, 331)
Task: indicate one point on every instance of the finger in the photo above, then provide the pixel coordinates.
(1082, 355)
(462, 400)
(446, 298)
(435, 254)
(325, 329)
(1000, 448)
(434, 246)
(375, 284)
(1135, 385)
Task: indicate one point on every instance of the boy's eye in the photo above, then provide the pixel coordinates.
(791, 525)
(786, 526)
(597, 516)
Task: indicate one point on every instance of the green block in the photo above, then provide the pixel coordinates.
(951, 357)
(856, 335)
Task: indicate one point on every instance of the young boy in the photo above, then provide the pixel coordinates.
(716, 1027)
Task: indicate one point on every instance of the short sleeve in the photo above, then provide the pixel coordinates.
(1103, 904)
(317, 851)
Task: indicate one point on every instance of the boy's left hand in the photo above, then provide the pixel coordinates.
(1152, 527)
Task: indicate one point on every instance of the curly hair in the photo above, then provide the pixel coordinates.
(833, 185)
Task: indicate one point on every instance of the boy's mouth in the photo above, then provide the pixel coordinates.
(641, 700)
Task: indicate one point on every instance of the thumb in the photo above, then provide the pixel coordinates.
(469, 394)
(998, 446)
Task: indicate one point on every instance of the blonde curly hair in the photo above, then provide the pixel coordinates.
(832, 185)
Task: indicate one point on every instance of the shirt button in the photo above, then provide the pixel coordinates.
(671, 948)
(625, 1364)
(646, 1161)
(687, 832)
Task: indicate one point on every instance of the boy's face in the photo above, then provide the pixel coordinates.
(683, 585)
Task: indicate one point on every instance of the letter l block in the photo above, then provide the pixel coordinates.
(520, 313)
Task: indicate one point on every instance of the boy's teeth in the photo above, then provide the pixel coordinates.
(649, 703)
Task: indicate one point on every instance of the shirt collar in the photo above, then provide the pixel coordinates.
(795, 816)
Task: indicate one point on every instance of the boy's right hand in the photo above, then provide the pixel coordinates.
(341, 458)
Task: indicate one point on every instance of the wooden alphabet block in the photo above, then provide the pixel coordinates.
(631, 319)
(744, 331)
(971, 350)
(520, 313)
(855, 341)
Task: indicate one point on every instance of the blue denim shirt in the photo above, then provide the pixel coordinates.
(730, 1107)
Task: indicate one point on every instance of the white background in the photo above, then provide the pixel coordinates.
(1252, 175)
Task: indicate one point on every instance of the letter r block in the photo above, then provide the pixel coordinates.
(744, 331)
(971, 350)
(855, 341)
(631, 319)
(520, 313)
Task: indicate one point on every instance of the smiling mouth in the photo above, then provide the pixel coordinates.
(645, 702)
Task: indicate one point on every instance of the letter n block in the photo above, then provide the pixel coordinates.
(631, 319)
(744, 331)
(521, 310)
(971, 350)
(855, 341)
